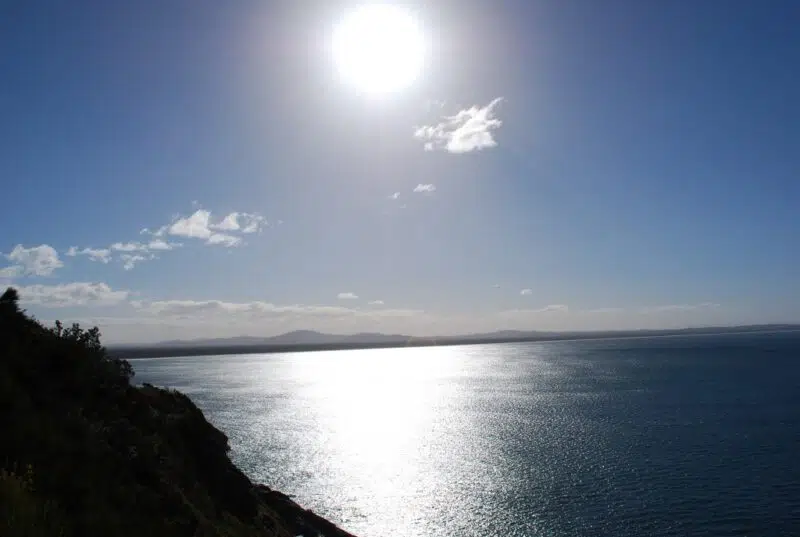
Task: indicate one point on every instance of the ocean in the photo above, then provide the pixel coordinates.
(673, 436)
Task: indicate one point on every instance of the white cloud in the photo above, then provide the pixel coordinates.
(39, 260)
(376, 303)
(199, 226)
(425, 188)
(551, 308)
(251, 223)
(160, 244)
(526, 292)
(128, 247)
(229, 223)
(130, 260)
(468, 130)
(195, 226)
(496, 286)
(395, 196)
(680, 307)
(13, 271)
(71, 294)
(103, 255)
(347, 296)
(228, 241)
(221, 310)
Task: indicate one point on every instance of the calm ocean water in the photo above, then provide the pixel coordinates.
(641, 437)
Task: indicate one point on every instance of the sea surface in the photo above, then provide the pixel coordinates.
(659, 436)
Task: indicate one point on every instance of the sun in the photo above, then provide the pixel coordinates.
(378, 49)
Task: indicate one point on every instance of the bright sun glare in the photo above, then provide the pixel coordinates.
(378, 49)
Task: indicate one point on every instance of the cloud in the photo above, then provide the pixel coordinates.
(39, 260)
(229, 223)
(199, 226)
(128, 247)
(195, 226)
(395, 196)
(222, 310)
(375, 303)
(162, 245)
(551, 308)
(251, 223)
(680, 307)
(496, 286)
(243, 222)
(130, 260)
(425, 188)
(347, 296)
(228, 241)
(526, 292)
(468, 130)
(13, 271)
(160, 232)
(71, 294)
(103, 255)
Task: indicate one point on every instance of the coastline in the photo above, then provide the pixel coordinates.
(155, 351)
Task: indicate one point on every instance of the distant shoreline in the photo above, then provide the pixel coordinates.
(187, 349)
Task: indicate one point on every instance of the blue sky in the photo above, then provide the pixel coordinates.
(596, 165)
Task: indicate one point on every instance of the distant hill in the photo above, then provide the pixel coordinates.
(297, 337)
(310, 340)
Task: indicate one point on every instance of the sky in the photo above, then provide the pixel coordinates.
(177, 170)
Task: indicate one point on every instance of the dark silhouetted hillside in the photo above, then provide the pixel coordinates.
(85, 453)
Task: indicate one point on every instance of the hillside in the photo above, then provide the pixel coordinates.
(85, 453)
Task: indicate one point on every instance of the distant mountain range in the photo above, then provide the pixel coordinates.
(297, 337)
(302, 340)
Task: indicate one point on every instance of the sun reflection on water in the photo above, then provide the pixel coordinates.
(379, 411)
(377, 406)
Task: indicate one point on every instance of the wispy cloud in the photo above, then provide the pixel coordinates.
(394, 196)
(496, 286)
(526, 292)
(680, 307)
(210, 309)
(39, 260)
(229, 223)
(347, 296)
(128, 247)
(195, 226)
(551, 308)
(243, 222)
(224, 240)
(102, 255)
(162, 245)
(468, 130)
(376, 303)
(71, 294)
(420, 188)
(131, 260)
(199, 225)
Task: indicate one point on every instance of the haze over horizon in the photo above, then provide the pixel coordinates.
(233, 170)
